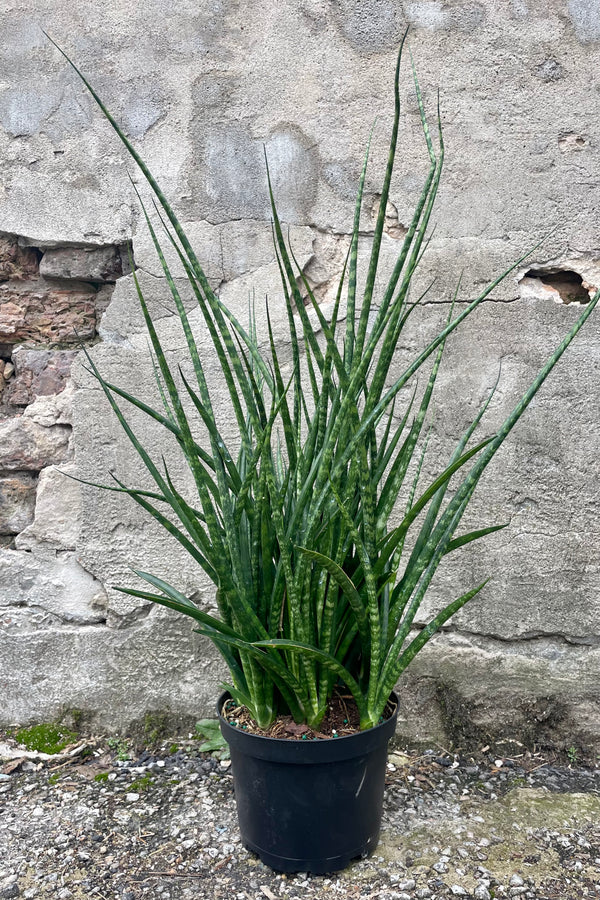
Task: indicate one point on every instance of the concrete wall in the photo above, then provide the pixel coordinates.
(200, 88)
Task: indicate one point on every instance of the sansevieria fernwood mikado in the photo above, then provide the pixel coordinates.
(291, 521)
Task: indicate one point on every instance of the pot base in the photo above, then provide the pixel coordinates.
(312, 866)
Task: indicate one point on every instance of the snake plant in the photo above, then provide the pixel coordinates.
(291, 520)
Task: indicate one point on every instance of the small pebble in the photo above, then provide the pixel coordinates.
(10, 891)
(481, 893)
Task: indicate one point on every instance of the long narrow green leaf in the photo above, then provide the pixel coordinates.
(471, 536)
(347, 588)
(386, 686)
(385, 191)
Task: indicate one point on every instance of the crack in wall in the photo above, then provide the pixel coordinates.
(529, 637)
(130, 619)
(150, 274)
(50, 617)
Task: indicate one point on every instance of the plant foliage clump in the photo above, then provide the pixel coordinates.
(292, 523)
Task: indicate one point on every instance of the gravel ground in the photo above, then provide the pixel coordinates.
(88, 824)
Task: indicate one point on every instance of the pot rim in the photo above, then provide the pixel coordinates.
(319, 751)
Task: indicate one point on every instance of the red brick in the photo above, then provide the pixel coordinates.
(44, 313)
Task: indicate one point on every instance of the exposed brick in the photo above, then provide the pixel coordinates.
(15, 261)
(98, 264)
(38, 373)
(42, 312)
(17, 502)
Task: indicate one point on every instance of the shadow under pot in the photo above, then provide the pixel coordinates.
(309, 806)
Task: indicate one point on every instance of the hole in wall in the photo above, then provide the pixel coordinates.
(561, 285)
(569, 141)
(393, 227)
(6, 366)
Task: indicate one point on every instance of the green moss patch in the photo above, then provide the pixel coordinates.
(141, 784)
(45, 738)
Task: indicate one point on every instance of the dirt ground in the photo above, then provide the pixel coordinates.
(99, 821)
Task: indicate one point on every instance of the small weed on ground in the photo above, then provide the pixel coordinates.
(214, 743)
(141, 784)
(573, 755)
(121, 748)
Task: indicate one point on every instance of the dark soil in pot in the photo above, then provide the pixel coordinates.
(309, 805)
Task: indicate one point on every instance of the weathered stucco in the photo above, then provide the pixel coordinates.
(201, 91)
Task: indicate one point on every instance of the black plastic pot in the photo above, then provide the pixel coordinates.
(309, 806)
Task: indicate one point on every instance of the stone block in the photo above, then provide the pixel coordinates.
(57, 511)
(38, 373)
(48, 667)
(204, 237)
(100, 264)
(58, 587)
(17, 501)
(123, 316)
(467, 690)
(42, 312)
(226, 251)
(15, 261)
(247, 246)
(51, 409)
(29, 447)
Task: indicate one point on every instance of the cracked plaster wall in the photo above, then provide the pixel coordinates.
(200, 91)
